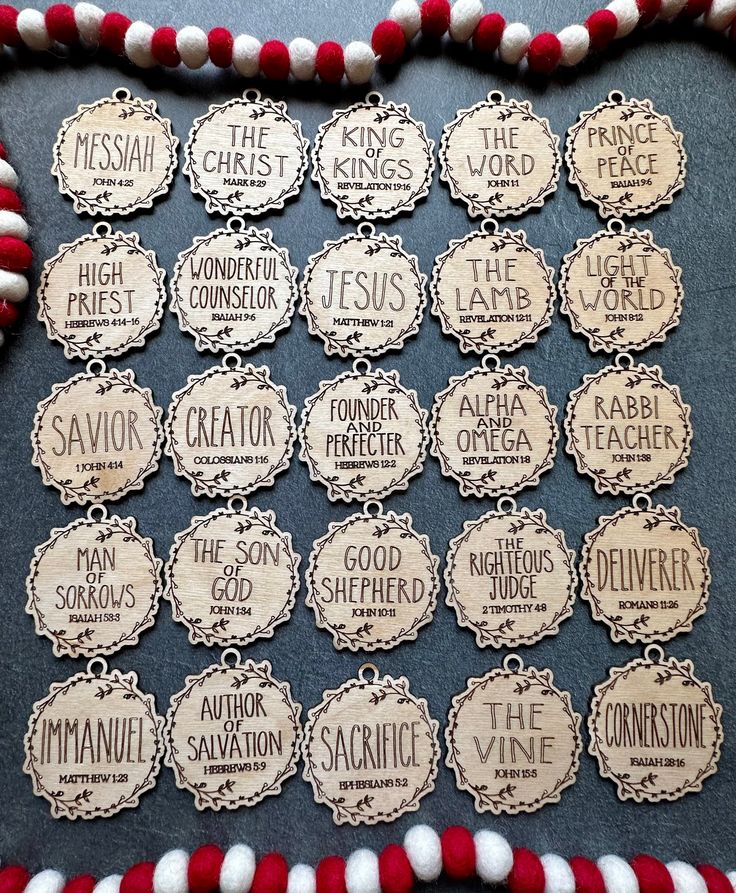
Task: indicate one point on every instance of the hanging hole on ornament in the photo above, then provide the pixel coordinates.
(373, 508)
(490, 362)
(96, 367)
(624, 361)
(489, 226)
(366, 230)
(616, 96)
(121, 94)
(97, 513)
(232, 361)
(496, 96)
(237, 503)
(230, 657)
(367, 668)
(102, 229)
(616, 226)
(506, 504)
(235, 224)
(374, 98)
(251, 94)
(513, 663)
(97, 667)
(642, 502)
(361, 366)
(654, 653)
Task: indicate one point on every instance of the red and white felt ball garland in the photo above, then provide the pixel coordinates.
(423, 857)
(15, 253)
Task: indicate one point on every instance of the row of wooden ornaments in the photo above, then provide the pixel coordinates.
(363, 294)
(233, 735)
(372, 159)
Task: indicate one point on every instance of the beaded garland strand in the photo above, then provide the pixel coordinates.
(15, 253)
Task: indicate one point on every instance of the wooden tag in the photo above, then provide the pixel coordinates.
(363, 435)
(621, 290)
(234, 289)
(627, 428)
(510, 577)
(645, 572)
(370, 749)
(625, 158)
(493, 430)
(363, 294)
(97, 436)
(492, 290)
(94, 743)
(102, 294)
(94, 585)
(513, 739)
(246, 156)
(499, 158)
(372, 580)
(115, 156)
(655, 728)
(233, 734)
(230, 430)
(373, 160)
(232, 576)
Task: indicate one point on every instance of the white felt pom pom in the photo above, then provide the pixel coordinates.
(12, 224)
(170, 874)
(618, 875)
(424, 851)
(109, 884)
(732, 878)
(671, 8)
(464, 18)
(88, 19)
(237, 870)
(302, 58)
(48, 881)
(191, 42)
(494, 857)
(408, 15)
(361, 872)
(686, 878)
(575, 42)
(720, 15)
(558, 876)
(627, 14)
(515, 42)
(360, 62)
(301, 880)
(8, 176)
(13, 287)
(31, 26)
(138, 44)
(246, 50)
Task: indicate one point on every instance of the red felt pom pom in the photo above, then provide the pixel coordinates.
(81, 883)
(435, 17)
(695, 8)
(15, 255)
(13, 879)
(395, 873)
(274, 60)
(458, 852)
(113, 28)
(544, 53)
(330, 62)
(61, 24)
(8, 26)
(3, 151)
(330, 875)
(715, 880)
(602, 26)
(652, 875)
(272, 875)
(527, 873)
(220, 47)
(588, 877)
(203, 873)
(388, 41)
(163, 47)
(138, 878)
(488, 32)
(10, 200)
(648, 10)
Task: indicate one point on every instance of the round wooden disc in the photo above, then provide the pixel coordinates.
(230, 430)
(372, 581)
(233, 735)
(115, 156)
(97, 436)
(625, 158)
(627, 428)
(510, 577)
(513, 739)
(621, 290)
(363, 294)
(102, 294)
(492, 290)
(246, 156)
(493, 430)
(655, 728)
(94, 585)
(373, 160)
(232, 576)
(363, 434)
(645, 573)
(499, 158)
(234, 289)
(94, 744)
(370, 749)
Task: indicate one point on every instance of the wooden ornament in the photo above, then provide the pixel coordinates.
(372, 580)
(373, 160)
(492, 290)
(115, 156)
(493, 430)
(101, 295)
(363, 434)
(230, 430)
(363, 294)
(246, 156)
(513, 739)
(627, 428)
(621, 290)
(233, 734)
(625, 157)
(655, 729)
(94, 743)
(94, 585)
(97, 436)
(645, 572)
(232, 576)
(510, 577)
(370, 749)
(234, 289)
(499, 158)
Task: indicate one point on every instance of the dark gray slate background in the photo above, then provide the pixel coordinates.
(689, 78)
